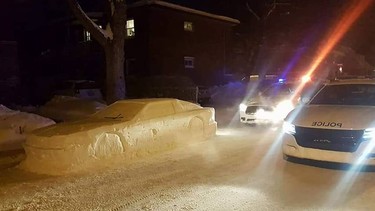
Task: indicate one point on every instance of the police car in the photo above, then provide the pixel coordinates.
(274, 102)
(335, 125)
(270, 106)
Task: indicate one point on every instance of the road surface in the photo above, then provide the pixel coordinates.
(239, 169)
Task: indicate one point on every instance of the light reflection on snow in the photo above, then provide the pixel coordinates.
(231, 132)
(223, 132)
(346, 183)
(268, 159)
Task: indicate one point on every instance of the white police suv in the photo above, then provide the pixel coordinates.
(335, 125)
(270, 106)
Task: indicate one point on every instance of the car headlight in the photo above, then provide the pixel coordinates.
(369, 134)
(284, 106)
(263, 114)
(289, 128)
(243, 107)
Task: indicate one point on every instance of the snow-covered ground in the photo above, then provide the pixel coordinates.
(241, 168)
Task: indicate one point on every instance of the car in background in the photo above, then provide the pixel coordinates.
(126, 127)
(336, 125)
(271, 105)
(66, 108)
(84, 89)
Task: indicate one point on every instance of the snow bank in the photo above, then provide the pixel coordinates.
(66, 108)
(14, 125)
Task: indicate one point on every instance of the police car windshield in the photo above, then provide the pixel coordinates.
(278, 89)
(346, 94)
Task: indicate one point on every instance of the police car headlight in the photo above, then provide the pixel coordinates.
(289, 128)
(243, 107)
(369, 134)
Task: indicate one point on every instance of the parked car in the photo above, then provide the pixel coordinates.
(84, 89)
(271, 105)
(275, 101)
(336, 125)
(123, 128)
(66, 108)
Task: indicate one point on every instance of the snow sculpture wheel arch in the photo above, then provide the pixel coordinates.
(108, 145)
(196, 128)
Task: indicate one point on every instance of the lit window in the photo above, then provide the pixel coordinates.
(189, 62)
(130, 29)
(188, 26)
(86, 36)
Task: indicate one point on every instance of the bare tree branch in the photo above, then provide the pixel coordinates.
(252, 11)
(271, 10)
(90, 25)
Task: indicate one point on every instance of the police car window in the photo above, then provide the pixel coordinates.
(278, 89)
(346, 94)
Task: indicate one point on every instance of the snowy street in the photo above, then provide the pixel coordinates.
(240, 169)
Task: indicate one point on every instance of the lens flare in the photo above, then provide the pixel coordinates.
(354, 10)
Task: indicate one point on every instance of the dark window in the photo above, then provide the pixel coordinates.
(189, 62)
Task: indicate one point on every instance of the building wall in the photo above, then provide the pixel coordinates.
(162, 43)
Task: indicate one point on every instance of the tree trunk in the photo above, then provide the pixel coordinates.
(115, 81)
(113, 43)
(115, 54)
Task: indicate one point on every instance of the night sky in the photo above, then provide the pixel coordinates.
(269, 37)
(293, 18)
(34, 12)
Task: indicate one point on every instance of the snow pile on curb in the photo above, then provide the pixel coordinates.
(15, 125)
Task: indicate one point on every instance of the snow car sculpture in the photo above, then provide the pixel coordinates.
(125, 128)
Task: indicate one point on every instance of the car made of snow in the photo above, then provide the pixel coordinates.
(336, 125)
(127, 127)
